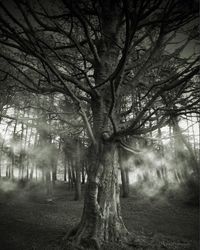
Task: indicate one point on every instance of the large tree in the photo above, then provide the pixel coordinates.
(101, 54)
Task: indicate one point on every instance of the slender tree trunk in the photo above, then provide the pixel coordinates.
(78, 173)
(77, 183)
(127, 178)
(194, 139)
(54, 173)
(31, 172)
(49, 188)
(83, 173)
(71, 176)
(34, 166)
(125, 183)
(43, 174)
(65, 168)
(55, 154)
(1, 150)
(124, 177)
(36, 173)
(199, 137)
(8, 167)
(183, 141)
(54, 163)
(22, 155)
(25, 146)
(11, 175)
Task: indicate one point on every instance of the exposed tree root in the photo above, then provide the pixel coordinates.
(71, 233)
(91, 243)
(79, 239)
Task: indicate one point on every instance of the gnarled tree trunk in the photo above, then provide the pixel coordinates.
(101, 219)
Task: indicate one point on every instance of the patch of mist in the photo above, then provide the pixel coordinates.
(7, 186)
(158, 175)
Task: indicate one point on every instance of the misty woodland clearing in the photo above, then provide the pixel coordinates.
(99, 124)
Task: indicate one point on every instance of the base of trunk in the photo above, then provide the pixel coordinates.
(83, 237)
(101, 220)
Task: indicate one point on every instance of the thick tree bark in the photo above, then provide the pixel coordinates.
(101, 219)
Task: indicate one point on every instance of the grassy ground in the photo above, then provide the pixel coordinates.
(29, 222)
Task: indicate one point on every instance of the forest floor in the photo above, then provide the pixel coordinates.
(29, 222)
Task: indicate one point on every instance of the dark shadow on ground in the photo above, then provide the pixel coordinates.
(29, 222)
